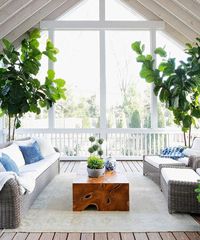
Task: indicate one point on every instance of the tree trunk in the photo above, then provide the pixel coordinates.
(189, 140)
(14, 127)
(185, 141)
(9, 128)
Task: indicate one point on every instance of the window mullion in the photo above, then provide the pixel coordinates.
(51, 113)
(154, 112)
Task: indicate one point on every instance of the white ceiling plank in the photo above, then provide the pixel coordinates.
(180, 13)
(12, 8)
(63, 9)
(3, 3)
(34, 19)
(191, 6)
(146, 13)
(22, 16)
(169, 18)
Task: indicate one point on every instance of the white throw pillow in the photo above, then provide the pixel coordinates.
(24, 142)
(196, 144)
(191, 152)
(45, 147)
(15, 154)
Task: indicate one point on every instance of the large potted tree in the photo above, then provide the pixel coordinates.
(20, 89)
(176, 84)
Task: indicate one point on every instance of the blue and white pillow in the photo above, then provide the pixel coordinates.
(31, 153)
(173, 152)
(8, 164)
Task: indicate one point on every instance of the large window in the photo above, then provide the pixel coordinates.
(78, 63)
(127, 105)
(104, 89)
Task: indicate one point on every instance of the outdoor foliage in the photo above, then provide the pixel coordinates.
(178, 86)
(197, 190)
(20, 90)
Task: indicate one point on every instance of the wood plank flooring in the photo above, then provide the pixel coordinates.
(125, 166)
(102, 236)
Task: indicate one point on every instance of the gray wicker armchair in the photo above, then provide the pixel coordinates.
(180, 195)
(10, 205)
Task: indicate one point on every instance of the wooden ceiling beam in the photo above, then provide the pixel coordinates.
(12, 8)
(191, 6)
(169, 18)
(180, 13)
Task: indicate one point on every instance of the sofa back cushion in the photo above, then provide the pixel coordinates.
(46, 147)
(14, 153)
(31, 153)
(196, 144)
(8, 164)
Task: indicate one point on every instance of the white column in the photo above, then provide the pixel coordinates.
(51, 113)
(153, 108)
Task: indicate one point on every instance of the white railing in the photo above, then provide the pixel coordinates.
(122, 143)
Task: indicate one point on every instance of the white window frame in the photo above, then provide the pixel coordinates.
(102, 25)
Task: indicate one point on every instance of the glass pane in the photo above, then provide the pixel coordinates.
(116, 10)
(78, 64)
(165, 117)
(128, 96)
(86, 10)
(31, 120)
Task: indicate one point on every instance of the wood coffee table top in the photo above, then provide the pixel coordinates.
(108, 177)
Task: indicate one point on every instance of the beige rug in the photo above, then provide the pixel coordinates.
(52, 211)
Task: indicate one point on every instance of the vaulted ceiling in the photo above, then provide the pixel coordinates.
(182, 17)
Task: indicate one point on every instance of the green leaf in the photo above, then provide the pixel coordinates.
(196, 112)
(34, 34)
(141, 58)
(51, 74)
(136, 46)
(59, 82)
(160, 51)
(7, 44)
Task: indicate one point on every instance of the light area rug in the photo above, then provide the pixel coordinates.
(52, 211)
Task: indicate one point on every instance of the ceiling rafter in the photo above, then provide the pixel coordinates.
(3, 3)
(191, 6)
(22, 16)
(180, 13)
(11, 9)
(35, 19)
(169, 18)
(142, 10)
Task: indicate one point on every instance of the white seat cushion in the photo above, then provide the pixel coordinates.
(156, 161)
(178, 174)
(198, 170)
(14, 153)
(39, 167)
(184, 160)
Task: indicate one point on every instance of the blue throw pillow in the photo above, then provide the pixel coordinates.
(173, 152)
(9, 164)
(31, 153)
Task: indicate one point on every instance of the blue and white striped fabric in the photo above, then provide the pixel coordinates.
(172, 152)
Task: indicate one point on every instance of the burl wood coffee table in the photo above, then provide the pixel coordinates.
(107, 193)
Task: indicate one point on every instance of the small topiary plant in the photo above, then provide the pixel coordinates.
(96, 146)
(95, 162)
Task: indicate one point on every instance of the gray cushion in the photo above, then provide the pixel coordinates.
(2, 169)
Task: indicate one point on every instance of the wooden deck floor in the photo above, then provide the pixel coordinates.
(102, 236)
(125, 166)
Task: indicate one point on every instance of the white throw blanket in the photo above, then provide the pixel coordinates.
(26, 182)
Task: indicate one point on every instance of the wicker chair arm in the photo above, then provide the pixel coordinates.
(10, 204)
(180, 165)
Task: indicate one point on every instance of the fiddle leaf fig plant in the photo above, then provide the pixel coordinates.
(176, 85)
(20, 89)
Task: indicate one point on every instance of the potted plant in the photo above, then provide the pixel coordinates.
(95, 163)
(20, 89)
(176, 84)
